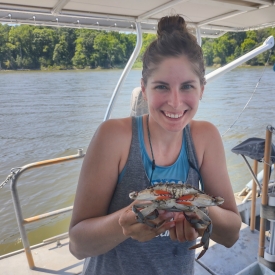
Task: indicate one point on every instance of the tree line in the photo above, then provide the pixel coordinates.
(35, 47)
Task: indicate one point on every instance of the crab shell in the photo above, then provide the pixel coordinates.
(181, 193)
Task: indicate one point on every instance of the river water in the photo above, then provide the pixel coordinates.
(45, 115)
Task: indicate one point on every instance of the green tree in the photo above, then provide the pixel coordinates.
(5, 52)
(44, 40)
(207, 48)
(33, 47)
(65, 48)
(224, 47)
(108, 50)
(79, 60)
(217, 61)
(247, 45)
(21, 37)
(61, 53)
(130, 41)
(84, 48)
(147, 38)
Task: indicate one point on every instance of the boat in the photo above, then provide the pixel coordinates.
(206, 18)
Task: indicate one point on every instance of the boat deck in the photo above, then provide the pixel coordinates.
(218, 260)
(49, 259)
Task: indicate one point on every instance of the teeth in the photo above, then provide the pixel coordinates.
(173, 115)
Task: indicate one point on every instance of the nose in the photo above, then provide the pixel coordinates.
(174, 98)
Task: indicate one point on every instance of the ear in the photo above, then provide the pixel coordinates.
(143, 89)
(202, 90)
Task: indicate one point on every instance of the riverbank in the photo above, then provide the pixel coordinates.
(136, 66)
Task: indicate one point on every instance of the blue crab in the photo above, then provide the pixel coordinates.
(177, 198)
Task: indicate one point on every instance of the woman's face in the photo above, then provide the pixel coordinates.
(173, 92)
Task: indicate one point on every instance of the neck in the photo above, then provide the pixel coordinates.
(162, 146)
(160, 136)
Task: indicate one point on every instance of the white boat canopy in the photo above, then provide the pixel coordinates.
(212, 17)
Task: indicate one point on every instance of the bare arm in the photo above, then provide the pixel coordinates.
(225, 218)
(92, 230)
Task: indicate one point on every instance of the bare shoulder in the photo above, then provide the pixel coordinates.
(212, 161)
(115, 129)
(206, 137)
(203, 129)
(104, 159)
(112, 140)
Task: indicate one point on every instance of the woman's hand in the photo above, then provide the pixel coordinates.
(183, 230)
(142, 232)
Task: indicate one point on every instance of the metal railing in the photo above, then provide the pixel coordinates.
(16, 202)
(267, 44)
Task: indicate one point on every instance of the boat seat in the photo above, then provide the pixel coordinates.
(138, 105)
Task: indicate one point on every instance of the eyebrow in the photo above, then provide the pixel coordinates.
(160, 82)
(165, 83)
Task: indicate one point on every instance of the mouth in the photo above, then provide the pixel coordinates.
(174, 115)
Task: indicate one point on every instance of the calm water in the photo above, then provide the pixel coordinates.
(46, 115)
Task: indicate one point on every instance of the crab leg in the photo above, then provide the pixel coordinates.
(150, 212)
(198, 224)
(142, 219)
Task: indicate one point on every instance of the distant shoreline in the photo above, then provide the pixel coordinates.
(135, 67)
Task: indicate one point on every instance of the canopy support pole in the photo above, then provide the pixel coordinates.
(198, 33)
(126, 71)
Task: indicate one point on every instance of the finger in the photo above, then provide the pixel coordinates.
(127, 218)
(158, 221)
(177, 233)
(164, 216)
(189, 231)
(180, 232)
(166, 226)
(161, 227)
(131, 227)
(173, 234)
(144, 233)
(136, 230)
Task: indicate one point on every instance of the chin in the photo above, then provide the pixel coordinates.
(175, 127)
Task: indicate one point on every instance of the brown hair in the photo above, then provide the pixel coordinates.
(173, 40)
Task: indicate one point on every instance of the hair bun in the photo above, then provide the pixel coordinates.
(174, 40)
(168, 24)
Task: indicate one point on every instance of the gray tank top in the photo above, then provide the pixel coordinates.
(159, 256)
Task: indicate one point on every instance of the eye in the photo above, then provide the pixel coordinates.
(187, 86)
(161, 87)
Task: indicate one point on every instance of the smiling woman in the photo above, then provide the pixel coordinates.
(173, 90)
(134, 153)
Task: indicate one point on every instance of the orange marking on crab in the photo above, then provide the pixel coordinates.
(184, 202)
(162, 198)
(186, 197)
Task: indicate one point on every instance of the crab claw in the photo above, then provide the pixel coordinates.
(146, 220)
(204, 241)
(202, 222)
